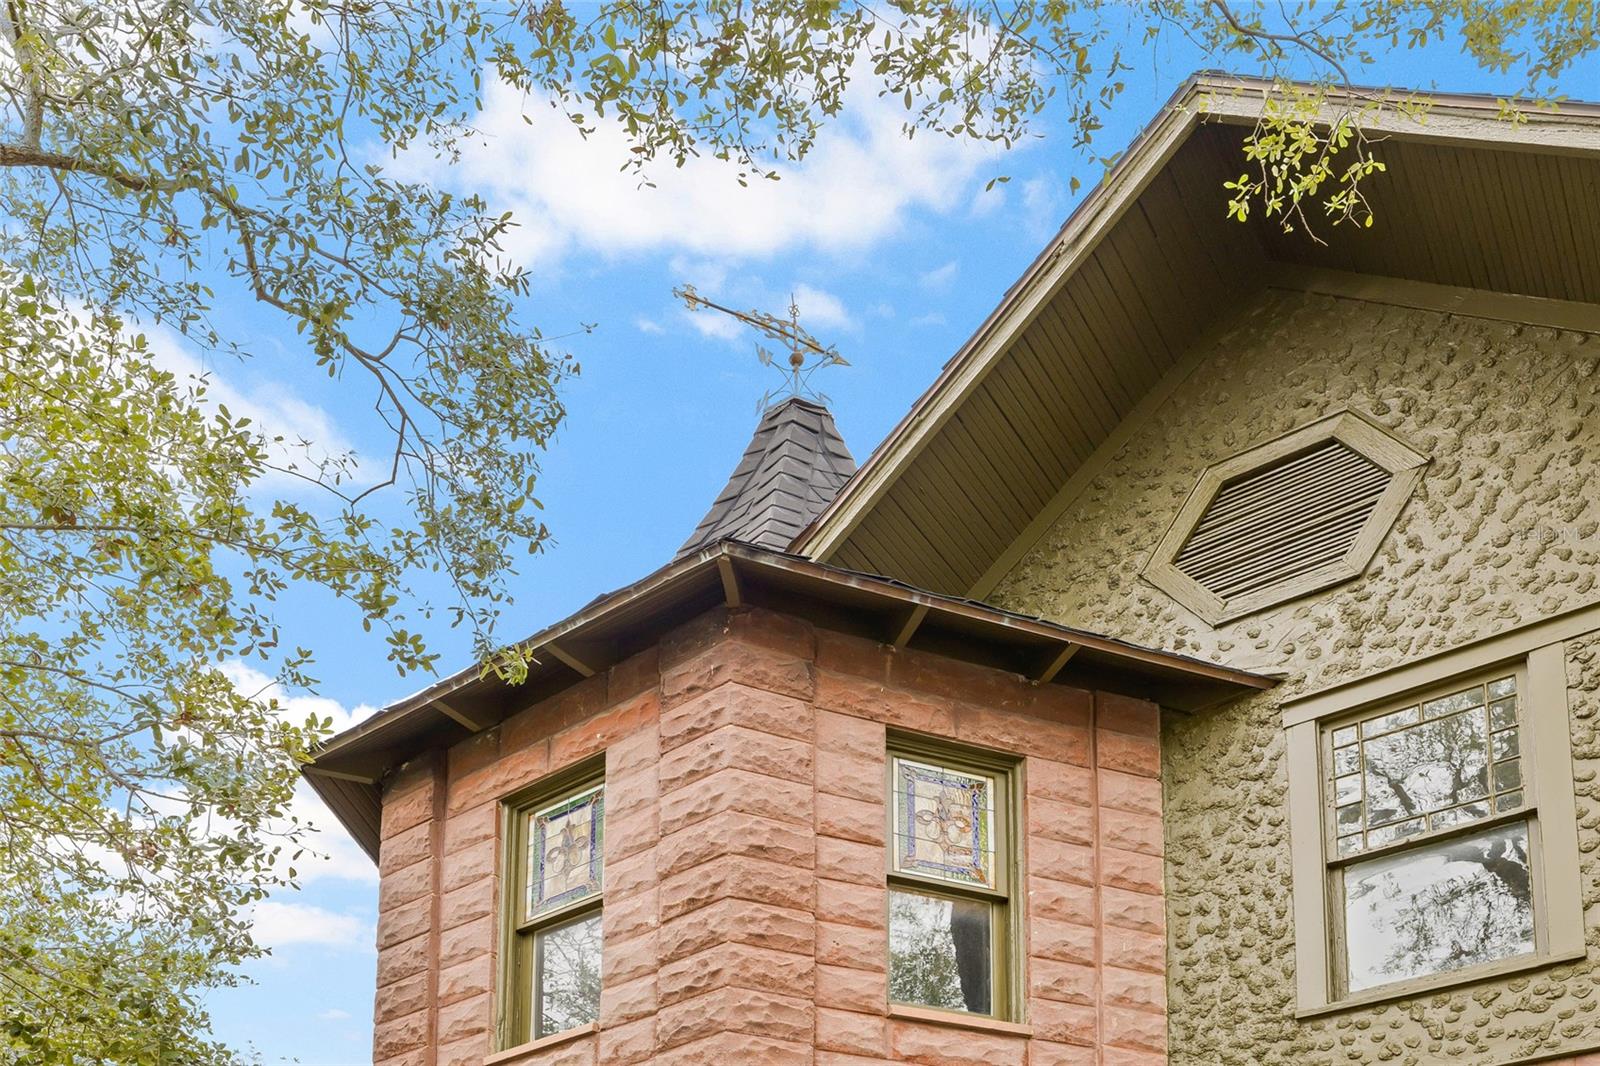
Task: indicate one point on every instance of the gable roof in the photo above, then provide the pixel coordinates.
(794, 466)
(1106, 322)
(348, 770)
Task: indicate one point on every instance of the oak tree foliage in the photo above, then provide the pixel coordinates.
(165, 163)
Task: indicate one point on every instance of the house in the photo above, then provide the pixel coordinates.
(1205, 670)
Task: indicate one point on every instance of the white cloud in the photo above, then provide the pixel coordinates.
(712, 324)
(932, 318)
(278, 925)
(858, 185)
(939, 277)
(820, 309)
(334, 1014)
(1043, 200)
(648, 325)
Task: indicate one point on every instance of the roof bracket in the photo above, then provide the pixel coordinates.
(338, 775)
(569, 659)
(907, 626)
(465, 721)
(730, 581)
(1053, 665)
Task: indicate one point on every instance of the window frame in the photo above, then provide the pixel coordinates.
(518, 988)
(1536, 656)
(1359, 432)
(1006, 924)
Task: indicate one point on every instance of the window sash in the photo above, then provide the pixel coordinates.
(1326, 728)
(1005, 922)
(1538, 651)
(1337, 865)
(518, 989)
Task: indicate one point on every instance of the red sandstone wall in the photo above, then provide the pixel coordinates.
(745, 900)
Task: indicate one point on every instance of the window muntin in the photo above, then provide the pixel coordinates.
(951, 923)
(555, 891)
(1431, 835)
(1426, 766)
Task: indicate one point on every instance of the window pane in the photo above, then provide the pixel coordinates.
(1437, 764)
(944, 823)
(940, 951)
(1417, 772)
(1438, 908)
(564, 852)
(567, 958)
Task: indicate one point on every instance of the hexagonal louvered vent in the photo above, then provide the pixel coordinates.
(1287, 518)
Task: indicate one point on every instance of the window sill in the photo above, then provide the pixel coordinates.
(958, 1021)
(1420, 986)
(513, 1054)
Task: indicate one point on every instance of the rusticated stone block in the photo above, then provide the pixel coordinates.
(737, 966)
(734, 747)
(735, 704)
(746, 664)
(740, 1010)
(767, 883)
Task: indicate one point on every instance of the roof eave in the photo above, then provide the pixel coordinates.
(347, 771)
(1460, 118)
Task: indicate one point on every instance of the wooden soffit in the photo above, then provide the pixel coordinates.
(1100, 325)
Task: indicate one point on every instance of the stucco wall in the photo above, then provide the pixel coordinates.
(1501, 531)
(745, 900)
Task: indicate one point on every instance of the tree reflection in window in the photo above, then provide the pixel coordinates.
(939, 951)
(1458, 903)
(1429, 766)
(1450, 900)
(569, 975)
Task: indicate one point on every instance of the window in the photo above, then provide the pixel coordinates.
(552, 956)
(1434, 830)
(1294, 515)
(951, 878)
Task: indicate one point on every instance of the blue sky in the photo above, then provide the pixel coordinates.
(893, 251)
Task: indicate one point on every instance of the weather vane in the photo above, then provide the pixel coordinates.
(806, 354)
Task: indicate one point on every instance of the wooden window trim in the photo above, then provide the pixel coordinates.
(515, 986)
(1007, 975)
(1353, 429)
(1551, 815)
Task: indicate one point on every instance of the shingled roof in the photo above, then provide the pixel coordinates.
(795, 464)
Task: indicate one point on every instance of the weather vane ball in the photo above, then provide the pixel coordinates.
(806, 354)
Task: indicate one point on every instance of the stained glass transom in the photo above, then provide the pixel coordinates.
(1434, 764)
(944, 823)
(564, 852)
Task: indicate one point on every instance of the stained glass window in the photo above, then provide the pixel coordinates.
(552, 943)
(950, 921)
(944, 823)
(564, 852)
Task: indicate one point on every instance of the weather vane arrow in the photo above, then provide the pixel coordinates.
(806, 354)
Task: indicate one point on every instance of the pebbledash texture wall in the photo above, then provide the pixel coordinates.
(745, 898)
(1501, 531)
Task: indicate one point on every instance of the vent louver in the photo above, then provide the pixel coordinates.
(1286, 518)
(1283, 521)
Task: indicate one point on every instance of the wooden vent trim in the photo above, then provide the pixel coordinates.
(1287, 518)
